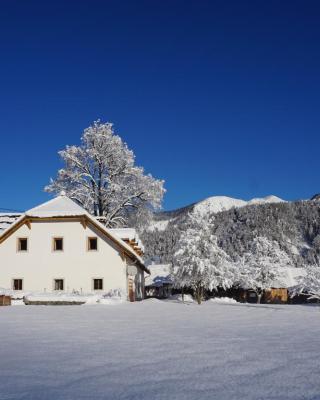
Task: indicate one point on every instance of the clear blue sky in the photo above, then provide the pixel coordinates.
(215, 97)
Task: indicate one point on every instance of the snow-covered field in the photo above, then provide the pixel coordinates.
(160, 350)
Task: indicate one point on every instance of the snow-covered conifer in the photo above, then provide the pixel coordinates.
(309, 283)
(102, 176)
(259, 268)
(199, 263)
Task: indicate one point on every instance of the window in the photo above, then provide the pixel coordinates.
(58, 284)
(57, 244)
(22, 244)
(98, 284)
(17, 284)
(92, 244)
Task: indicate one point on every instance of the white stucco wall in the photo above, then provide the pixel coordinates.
(40, 265)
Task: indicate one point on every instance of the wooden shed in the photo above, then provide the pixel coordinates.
(279, 293)
(5, 300)
(276, 295)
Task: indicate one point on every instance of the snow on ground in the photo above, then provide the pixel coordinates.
(223, 300)
(186, 298)
(110, 298)
(73, 298)
(160, 350)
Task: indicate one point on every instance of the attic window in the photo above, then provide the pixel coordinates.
(92, 244)
(22, 244)
(57, 244)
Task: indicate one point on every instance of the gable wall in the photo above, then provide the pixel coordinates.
(40, 265)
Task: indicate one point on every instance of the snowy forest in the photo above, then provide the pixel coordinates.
(294, 226)
(241, 247)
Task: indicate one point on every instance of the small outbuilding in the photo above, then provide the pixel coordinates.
(279, 292)
(5, 300)
(159, 283)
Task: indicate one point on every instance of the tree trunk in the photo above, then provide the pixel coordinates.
(182, 295)
(100, 205)
(198, 294)
(259, 295)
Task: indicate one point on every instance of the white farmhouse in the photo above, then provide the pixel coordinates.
(59, 246)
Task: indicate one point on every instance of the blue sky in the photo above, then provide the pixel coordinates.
(215, 97)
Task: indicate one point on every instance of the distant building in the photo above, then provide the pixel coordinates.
(59, 246)
(279, 292)
(159, 283)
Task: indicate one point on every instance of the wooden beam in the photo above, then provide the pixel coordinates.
(28, 223)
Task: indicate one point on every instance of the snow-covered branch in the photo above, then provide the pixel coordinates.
(199, 263)
(259, 268)
(309, 283)
(100, 174)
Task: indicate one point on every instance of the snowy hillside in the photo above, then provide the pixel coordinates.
(295, 226)
(217, 204)
(266, 200)
(159, 225)
(210, 205)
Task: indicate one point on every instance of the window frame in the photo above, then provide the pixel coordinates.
(88, 243)
(54, 285)
(93, 286)
(19, 243)
(17, 279)
(54, 250)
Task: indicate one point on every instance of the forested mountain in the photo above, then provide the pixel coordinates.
(295, 226)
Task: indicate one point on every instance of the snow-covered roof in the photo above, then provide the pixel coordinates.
(287, 277)
(125, 233)
(159, 275)
(60, 206)
(63, 206)
(7, 219)
(128, 234)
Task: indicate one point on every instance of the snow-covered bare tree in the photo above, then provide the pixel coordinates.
(259, 268)
(309, 283)
(102, 176)
(199, 263)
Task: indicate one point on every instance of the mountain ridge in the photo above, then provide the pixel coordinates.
(214, 204)
(294, 225)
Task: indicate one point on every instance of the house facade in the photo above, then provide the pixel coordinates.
(58, 246)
